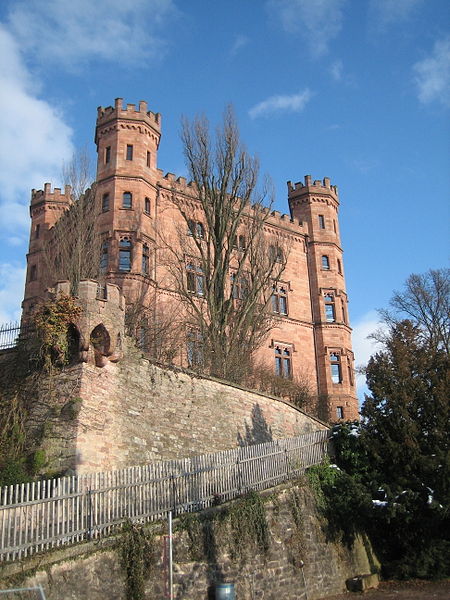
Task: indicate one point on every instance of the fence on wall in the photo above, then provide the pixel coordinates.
(42, 515)
(9, 334)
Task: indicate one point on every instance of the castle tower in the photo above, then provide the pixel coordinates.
(317, 203)
(46, 208)
(127, 139)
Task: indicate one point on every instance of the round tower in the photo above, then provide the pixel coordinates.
(127, 139)
(316, 203)
(46, 208)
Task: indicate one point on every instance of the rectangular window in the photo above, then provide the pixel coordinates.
(335, 366)
(105, 202)
(279, 299)
(37, 231)
(104, 257)
(129, 154)
(340, 412)
(107, 154)
(127, 200)
(195, 355)
(125, 254)
(325, 263)
(33, 273)
(143, 337)
(148, 158)
(239, 287)
(321, 222)
(330, 314)
(195, 279)
(283, 361)
(147, 206)
(145, 259)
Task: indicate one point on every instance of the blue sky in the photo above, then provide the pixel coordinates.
(357, 90)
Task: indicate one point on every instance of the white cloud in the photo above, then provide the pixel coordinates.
(336, 70)
(69, 32)
(239, 42)
(34, 138)
(363, 347)
(318, 21)
(432, 74)
(12, 277)
(387, 12)
(277, 104)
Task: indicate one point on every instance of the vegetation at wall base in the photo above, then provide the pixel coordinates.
(393, 481)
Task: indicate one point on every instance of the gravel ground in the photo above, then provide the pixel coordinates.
(403, 590)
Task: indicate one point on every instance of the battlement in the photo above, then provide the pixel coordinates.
(309, 186)
(47, 195)
(129, 111)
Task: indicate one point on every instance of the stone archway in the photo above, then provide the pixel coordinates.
(101, 343)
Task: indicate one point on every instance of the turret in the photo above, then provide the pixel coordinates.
(46, 208)
(317, 203)
(127, 138)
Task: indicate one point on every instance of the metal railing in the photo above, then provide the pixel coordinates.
(42, 515)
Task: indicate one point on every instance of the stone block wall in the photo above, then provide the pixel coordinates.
(133, 412)
(92, 570)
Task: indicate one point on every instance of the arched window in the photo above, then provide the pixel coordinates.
(104, 256)
(145, 259)
(125, 254)
(127, 200)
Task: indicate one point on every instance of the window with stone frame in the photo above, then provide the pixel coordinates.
(104, 256)
(127, 200)
(330, 310)
(33, 273)
(283, 360)
(148, 159)
(107, 154)
(196, 229)
(325, 262)
(239, 286)
(276, 254)
(105, 202)
(195, 278)
(129, 152)
(335, 367)
(280, 298)
(125, 248)
(37, 232)
(195, 348)
(147, 206)
(145, 259)
(321, 222)
(339, 412)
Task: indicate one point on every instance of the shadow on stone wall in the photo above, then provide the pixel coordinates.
(259, 432)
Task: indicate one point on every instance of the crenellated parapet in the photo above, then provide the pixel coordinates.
(127, 115)
(101, 325)
(56, 198)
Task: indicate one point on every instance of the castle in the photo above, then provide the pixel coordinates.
(135, 203)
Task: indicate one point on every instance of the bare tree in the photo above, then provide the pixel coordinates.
(72, 250)
(425, 300)
(225, 263)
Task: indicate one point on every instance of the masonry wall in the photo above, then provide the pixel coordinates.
(133, 412)
(92, 570)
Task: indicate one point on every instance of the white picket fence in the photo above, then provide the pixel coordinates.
(41, 515)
